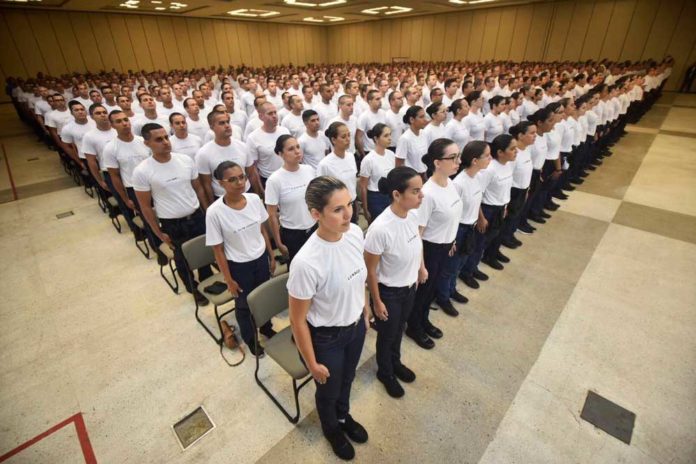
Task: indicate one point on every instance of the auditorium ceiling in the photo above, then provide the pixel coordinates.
(318, 12)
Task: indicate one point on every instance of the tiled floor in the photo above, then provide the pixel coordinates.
(601, 298)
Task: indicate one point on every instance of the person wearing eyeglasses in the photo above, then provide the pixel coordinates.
(438, 220)
(289, 218)
(235, 227)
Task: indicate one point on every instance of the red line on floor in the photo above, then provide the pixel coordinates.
(82, 435)
(9, 174)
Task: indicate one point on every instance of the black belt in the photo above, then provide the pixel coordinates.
(181, 219)
(334, 328)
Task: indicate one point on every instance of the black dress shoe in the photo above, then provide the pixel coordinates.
(433, 331)
(495, 264)
(537, 218)
(394, 389)
(585, 173)
(459, 298)
(448, 309)
(267, 332)
(596, 162)
(515, 241)
(469, 281)
(404, 374)
(502, 258)
(201, 300)
(509, 244)
(577, 180)
(340, 445)
(478, 275)
(551, 206)
(568, 187)
(421, 339)
(545, 215)
(559, 195)
(591, 168)
(525, 228)
(354, 430)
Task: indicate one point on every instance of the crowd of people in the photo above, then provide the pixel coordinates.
(448, 163)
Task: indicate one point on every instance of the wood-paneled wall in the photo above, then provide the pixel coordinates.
(556, 31)
(62, 42)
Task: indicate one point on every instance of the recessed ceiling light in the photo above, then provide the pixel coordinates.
(324, 19)
(252, 13)
(473, 2)
(387, 10)
(315, 4)
(160, 8)
(459, 2)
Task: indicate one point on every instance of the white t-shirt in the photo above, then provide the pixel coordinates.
(294, 124)
(398, 242)
(522, 168)
(239, 230)
(344, 169)
(396, 122)
(325, 112)
(253, 124)
(433, 132)
(332, 275)
(125, 156)
(314, 148)
(188, 146)
(170, 184)
(95, 140)
(248, 102)
(210, 155)
(411, 148)
(74, 133)
(239, 119)
(375, 166)
(58, 119)
(139, 120)
(261, 146)
(458, 133)
(553, 143)
(492, 126)
(286, 189)
(439, 212)
(41, 107)
(539, 152)
(471, 193)
(496, 182)
(475, 125)
(367, 121)
(198, 128)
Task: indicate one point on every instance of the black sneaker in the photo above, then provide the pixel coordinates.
(502, 258)
(495, 264)
(340, 445)
(267, 332)
(393, 387)
(459, 298)
(525, 229)
(433, 331)
(421, 339)
(478, 275)
(448, 309)
(354, 430)
(201, 300)
(404, 374)
(469, 281)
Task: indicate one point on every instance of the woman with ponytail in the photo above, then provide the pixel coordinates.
(375, 166)
(456, 128)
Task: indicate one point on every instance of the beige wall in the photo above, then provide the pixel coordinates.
(563, 30)
(61, 42)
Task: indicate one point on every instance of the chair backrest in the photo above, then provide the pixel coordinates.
(269, 299)
(197, 254)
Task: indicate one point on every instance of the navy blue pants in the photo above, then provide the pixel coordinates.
(434, 257)
(249, 275)
(399, 303)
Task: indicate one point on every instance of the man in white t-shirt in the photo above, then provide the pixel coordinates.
(295, 85)
(57, 118)
(238, 118)
(326, 109)
(293, 120)
(222, 148)
(346, 116)
(254, 121)
(248, 97)
(149, 106)
(165, 105)
(395, 118)
(308, 97)
(93, 144)
(315, 145)
(73, 132)
(261, 144)
(170, 181)
(273, 94)
(125, 104)
(108, 98)
(181, 141)
(367, 121)
(488, 93)
(197, 125)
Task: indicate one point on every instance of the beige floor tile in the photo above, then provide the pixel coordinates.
(666, 176)
(594, 206)
(685, 99)
(658, 221)
(680, 119)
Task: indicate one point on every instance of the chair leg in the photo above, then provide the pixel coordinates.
(143, 247)
(174, 286)
(295, 390)
(116, 223)
(210, 332)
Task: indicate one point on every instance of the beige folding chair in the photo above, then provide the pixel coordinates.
(267, 300)
(197, 255)
(169, 254)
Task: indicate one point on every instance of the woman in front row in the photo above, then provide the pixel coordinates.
(328, 311)
(285, 190)
(438, 219)
(235, 227)
(394, 258)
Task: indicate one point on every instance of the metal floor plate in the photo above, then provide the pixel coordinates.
(193, 427)
(609, 416)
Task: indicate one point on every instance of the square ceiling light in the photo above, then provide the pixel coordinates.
(387, 10)
(314, 4)
(252, 13)
(323, 19)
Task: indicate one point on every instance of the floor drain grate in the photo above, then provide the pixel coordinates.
(64, 215)
(609, 416)
(193, 427)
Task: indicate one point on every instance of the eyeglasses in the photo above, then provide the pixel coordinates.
(236, 179)
(452, 158)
